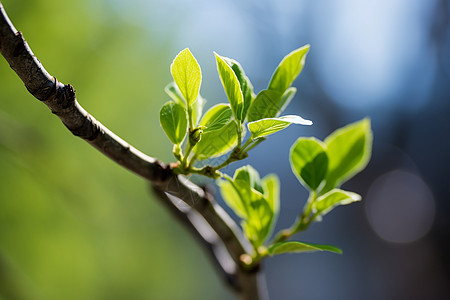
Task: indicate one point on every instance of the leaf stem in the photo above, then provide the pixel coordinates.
(302, 222)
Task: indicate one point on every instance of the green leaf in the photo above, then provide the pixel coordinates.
(288, 69)
(271, 188)
(174, 121)
(270, 104)
(197, 109)
(249, 177)
(309, 162)
(174, 92)
(232, 197)
(264, 106)
(216, 142)
(244, 82)
(187, 75)
(333, 198)
(349, 149)
(300, 247)
(217, 117)
(254, 200)
(269, 126)
(232, 87)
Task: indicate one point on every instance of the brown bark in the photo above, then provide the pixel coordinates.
(200, 213)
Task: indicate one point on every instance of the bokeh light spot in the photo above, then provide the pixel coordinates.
(400, 207)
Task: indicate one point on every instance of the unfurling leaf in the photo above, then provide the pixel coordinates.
(348, 149)
(232, 87)
(288, 70)
(309, 162)
(187, 75)
(325, 203)
(300, 247)
(269, 126)
(254, 200)
(174, 121)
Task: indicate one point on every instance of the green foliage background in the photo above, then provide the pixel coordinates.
(74, 225)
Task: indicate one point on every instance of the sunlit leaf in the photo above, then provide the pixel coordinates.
(349, 149)
(270, 104)
(300, 247)
(217, 117)
(174, 92)
(269, 126)
(244, 82)
(187, 75)
(232, 197)
(249, 176)
(174, 121)
(232, 87)
(271, 187)
(216, 142)
(333, 198)
(309, 162)
(197, 108)
(288, 70)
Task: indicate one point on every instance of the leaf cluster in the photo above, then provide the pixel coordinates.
(223, 127)
(320, 166)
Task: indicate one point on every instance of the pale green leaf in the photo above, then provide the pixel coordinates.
(269, 126)
(187, 75)
(232, 87)
(300, 247)
(309, 162)
(232, 197)
(270, 104)
(172, 90)
(244, 82)
(349, 149)
(216, 142)
(249, 176)
(173, 120)
(288, 70)
(324, 204)
(197, 109)
(217, 117)
(264, 106)
(271, 187)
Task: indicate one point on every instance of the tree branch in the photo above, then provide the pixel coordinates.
(213, 225)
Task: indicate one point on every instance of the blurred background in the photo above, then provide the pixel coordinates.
(73, 225)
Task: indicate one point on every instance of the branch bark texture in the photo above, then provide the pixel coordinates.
(193, 206)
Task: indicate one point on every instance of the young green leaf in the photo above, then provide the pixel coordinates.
(254, 200)
(217, 117)
(288, 69)
(187, 75)
(349, 149)
(300, 247)
(269, 126)
(324, 204)
(309, 162)
(216, 142)
(270, 104)
(232, 87)
(271, 188)
(249, 177)
(264, 106)
(174, 121)
(232, 197)
(174, 92)
(197, 109)
(244, 82)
